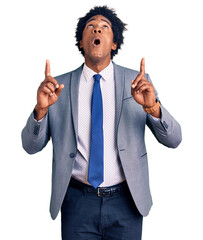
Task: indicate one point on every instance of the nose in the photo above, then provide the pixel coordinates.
(96, 30)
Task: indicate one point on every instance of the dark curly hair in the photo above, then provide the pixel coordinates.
(117, 26)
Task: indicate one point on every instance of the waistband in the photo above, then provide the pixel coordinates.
(100, 191)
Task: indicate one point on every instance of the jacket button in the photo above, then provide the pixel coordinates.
(72, 155)
(36, 130)
(165, 124)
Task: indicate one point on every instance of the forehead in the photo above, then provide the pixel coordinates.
(99, 18)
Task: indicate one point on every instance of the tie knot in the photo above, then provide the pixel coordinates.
(97, 77)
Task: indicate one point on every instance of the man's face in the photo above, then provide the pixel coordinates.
(97, 39)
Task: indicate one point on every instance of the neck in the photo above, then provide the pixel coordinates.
(97, 66)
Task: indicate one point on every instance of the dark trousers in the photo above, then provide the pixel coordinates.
(111, 216)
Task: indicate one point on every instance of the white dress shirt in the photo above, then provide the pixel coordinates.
(113, 172)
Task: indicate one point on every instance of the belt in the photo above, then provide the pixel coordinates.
(100, 191)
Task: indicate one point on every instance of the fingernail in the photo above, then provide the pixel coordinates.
(57, 86)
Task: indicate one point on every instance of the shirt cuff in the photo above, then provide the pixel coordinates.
(40, 119)
(154, 118)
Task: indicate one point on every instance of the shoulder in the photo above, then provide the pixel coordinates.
(126, 71)
(67, 76)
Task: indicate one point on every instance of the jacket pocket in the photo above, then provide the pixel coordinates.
(143, 155)
(128, 98)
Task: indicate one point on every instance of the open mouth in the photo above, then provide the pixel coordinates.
(96, 41)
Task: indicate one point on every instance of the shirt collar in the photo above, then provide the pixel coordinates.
(106, 73)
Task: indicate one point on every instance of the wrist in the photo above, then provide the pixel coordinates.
(39, 112)
(152, 109)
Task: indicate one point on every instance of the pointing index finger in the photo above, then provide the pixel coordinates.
(47, 69)
(48, 76)
(142, 67)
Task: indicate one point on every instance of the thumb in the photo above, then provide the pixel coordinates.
(59, 89)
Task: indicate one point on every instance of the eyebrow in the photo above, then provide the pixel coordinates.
(92, 19)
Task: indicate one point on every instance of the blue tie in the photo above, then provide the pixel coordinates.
(95, 174)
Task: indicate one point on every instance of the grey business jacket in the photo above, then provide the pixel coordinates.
(61, 125)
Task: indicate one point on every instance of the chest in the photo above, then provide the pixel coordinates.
(85, 98)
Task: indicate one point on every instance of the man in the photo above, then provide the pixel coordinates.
(96, 117)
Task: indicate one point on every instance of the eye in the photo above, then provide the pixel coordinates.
(105, 26)
(89, 26)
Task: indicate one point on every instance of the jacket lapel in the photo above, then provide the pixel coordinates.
(75, 81)
(119, 85)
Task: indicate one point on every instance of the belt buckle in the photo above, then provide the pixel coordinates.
(101, 192)
(98, 192)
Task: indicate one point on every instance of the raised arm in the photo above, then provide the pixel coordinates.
(35, 134)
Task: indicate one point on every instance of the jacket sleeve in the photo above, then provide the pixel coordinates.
(166, 130)
(35, 135)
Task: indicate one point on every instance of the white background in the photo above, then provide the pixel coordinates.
(169, 35)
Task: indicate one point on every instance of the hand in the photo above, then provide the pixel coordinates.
(142, 90)
(47, 94)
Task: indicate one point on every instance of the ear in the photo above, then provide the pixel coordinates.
(81, 44)
(114, 46)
